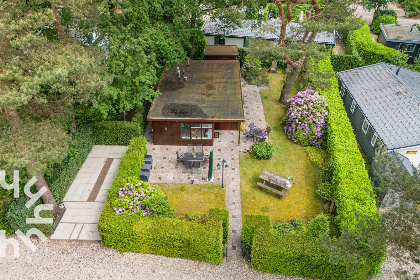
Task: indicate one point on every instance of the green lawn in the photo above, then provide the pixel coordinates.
(289, 160)
(194, 198)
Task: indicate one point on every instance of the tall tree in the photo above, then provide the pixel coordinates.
(376, 4)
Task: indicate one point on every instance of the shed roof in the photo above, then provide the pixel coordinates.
(392, 108)
(269, 30)
(401, 33)
(212, 91)
(221, 49)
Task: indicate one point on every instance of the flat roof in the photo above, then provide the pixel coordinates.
(211, 91)
(400, 32)
(269, 30)
(221, 49)
(390, 106)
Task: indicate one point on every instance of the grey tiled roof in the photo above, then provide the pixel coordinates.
(402, 33)
(269, 30)
(391, 106)
(409, 77)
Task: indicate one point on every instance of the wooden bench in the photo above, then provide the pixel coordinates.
(272, 189)
(277, 180)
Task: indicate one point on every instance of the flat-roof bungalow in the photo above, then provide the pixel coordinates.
(405, 38)
(383, 104)
(218, 34)
(197, 98)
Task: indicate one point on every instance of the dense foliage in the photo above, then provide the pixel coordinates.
(411, 7)
(350, 181)
(221, 214)
(343, 62)
(6, 199)
(251, 224)
(306, 119)
(115, 132)
(382, 19)
(263, 150)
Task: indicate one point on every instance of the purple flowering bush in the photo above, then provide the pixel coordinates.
(306, 120)
(133, 196)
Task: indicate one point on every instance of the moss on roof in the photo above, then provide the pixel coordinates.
(211, 90)
(221, 49)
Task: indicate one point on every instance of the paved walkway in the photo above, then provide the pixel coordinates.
(87, 194)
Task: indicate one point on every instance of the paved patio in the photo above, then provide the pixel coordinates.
(87, 194)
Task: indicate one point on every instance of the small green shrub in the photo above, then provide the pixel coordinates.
(382, 19)
(326, 189)
(317, 155)
(115, 132)
(221, 214)
(200, 44)
(318, 226)
(379, 13)
(411, 7)
(251, 224)
(263, 150)
(159, 206)
(141, 120)
(18, 213)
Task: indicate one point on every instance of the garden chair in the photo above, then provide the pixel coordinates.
(178, 158)
(190, 148)
(199, 148)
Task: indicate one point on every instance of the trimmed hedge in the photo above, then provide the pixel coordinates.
(350, 181)
(60, 176)
(372, 52)
(221, 214)
(342, 62)
(157, 235)
(251, 224)
(115, 132)
(382, 19)
(294, 254)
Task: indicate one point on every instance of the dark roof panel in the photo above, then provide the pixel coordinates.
(392, 107)
(397, 32)
(220, 49)
(212, 91)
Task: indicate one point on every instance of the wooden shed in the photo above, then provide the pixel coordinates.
(221, 52)
(197, 98)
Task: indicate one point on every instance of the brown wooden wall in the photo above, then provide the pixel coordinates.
(171, 136)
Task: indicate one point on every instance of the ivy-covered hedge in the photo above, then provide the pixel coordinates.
(294, 254)
(221, 214)
(350, 180)
(251, 224)
(156, 235)
(382, 19)
(372, 52)
(115, 132)
(341, 62)
(60, 176)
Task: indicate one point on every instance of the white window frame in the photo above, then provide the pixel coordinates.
(374, 138)
(365, 121)
(353, 105)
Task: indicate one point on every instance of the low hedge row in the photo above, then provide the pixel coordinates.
(251, 224)
(158, 235)
(372, 52)
(60, 176)
(350, 181)
(221, 214)
(115, 132)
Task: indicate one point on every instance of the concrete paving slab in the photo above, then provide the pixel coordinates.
(63, 231)
(89, 232)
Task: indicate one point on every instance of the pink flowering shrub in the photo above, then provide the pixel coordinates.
(306, 120)
(133, 196)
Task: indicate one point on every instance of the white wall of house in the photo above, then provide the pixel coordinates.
(228, 41)
(412, 153)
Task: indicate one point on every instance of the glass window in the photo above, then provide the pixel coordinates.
(353, 105)
(365, 125)
(342, 91)
(374, 138)
(185, 131)
(195, 133)
(207, 133)
(407, 47)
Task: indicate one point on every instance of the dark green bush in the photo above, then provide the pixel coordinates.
(60, 176)
(411, 7)
(141, 120)
(326, 189)
(318, 226)
(18, 213)
(343, 62)
(350, 179)
(251, 224)
(115, 132)
(221, 214)
(159, 206)
(200, 44)
(6, 199)
(372, 52)
(242, 55)
(379, 13)
(88, 114)
(263, 150)
(382, 19)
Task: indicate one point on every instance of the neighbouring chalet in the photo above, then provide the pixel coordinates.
(218, 34)
(383, 104)
(196, 101)
(220, 52)
(405, 38)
